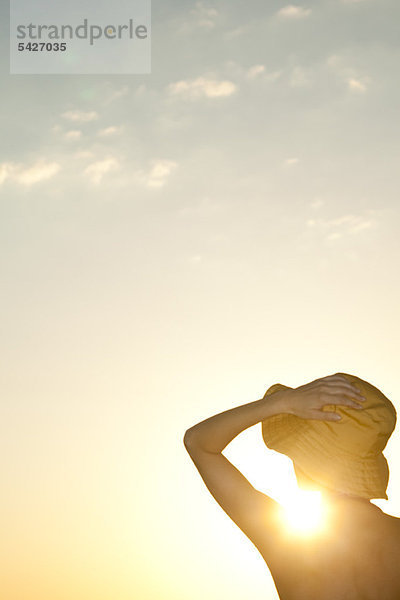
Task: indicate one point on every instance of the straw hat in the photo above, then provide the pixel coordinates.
(345, 455)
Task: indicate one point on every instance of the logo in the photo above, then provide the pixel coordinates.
(99, 37)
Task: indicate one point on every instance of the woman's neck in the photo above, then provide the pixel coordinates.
(345, 508)
(341, 496)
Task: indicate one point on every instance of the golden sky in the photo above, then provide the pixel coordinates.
(172, 245)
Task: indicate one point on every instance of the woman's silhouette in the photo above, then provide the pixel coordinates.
(334, 429)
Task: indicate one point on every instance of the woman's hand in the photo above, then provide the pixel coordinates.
(307, 401)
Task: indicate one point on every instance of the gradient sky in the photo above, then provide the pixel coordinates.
(171, 245)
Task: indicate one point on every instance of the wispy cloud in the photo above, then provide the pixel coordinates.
(109, 131)
(353, 223)
(317, 203)
(205, 16)
(300, 77)
(141, 90)
(83, 154)
(357, 85)
(272, 76)
(80, 116)
(6, 170)
(236, 32)
(195, 259)
(355, 82)
(339, 227)
(201, 207)
(293, 12)
(27, 176)
(158, 174)
(97, 170)
(114, 94)
(255, 71)
(155, 176)
(172, 122)
(40, 171)
(201, 16)
(202, 87)
(74, 134)
(291, 161)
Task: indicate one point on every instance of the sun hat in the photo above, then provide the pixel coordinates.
(345, 455)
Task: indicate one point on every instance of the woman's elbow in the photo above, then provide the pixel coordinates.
(188, 438)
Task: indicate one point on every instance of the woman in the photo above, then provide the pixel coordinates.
(334, 429)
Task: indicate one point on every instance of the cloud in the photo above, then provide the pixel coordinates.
(291, 161)
(96, 170)
(334, 61)
(6, 170)
(73, 134)
(116, 94)
(317, 203)
(112, 130)
(80, 116)
(238, 31)
(40, 171)
(273, 75)
(141, 89)
(202, 87)
(160, 171)
(293, 12)
(201, 16)
(205, 16)
(167, 122)
(255, 71)
(300, 77)
(356, 85)
(334, 236)
(157, 175)
(203, 208)
(341, 226)
(259, 72)
(236, 71)
(195, 259)
(83, 154)
(353, 223)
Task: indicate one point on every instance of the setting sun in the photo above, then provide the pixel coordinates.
(303, 512)
(183, 228)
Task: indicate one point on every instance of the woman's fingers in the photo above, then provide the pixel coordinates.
(333, 380)
(334, 390)
(342, 391)
(335, 384)
(342, 402)
(342, 388)
(322, 415)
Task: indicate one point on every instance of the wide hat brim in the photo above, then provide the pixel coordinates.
(325, 459)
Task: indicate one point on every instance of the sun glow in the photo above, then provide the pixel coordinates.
(303, 512)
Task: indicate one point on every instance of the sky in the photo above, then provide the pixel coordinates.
(172, 244)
